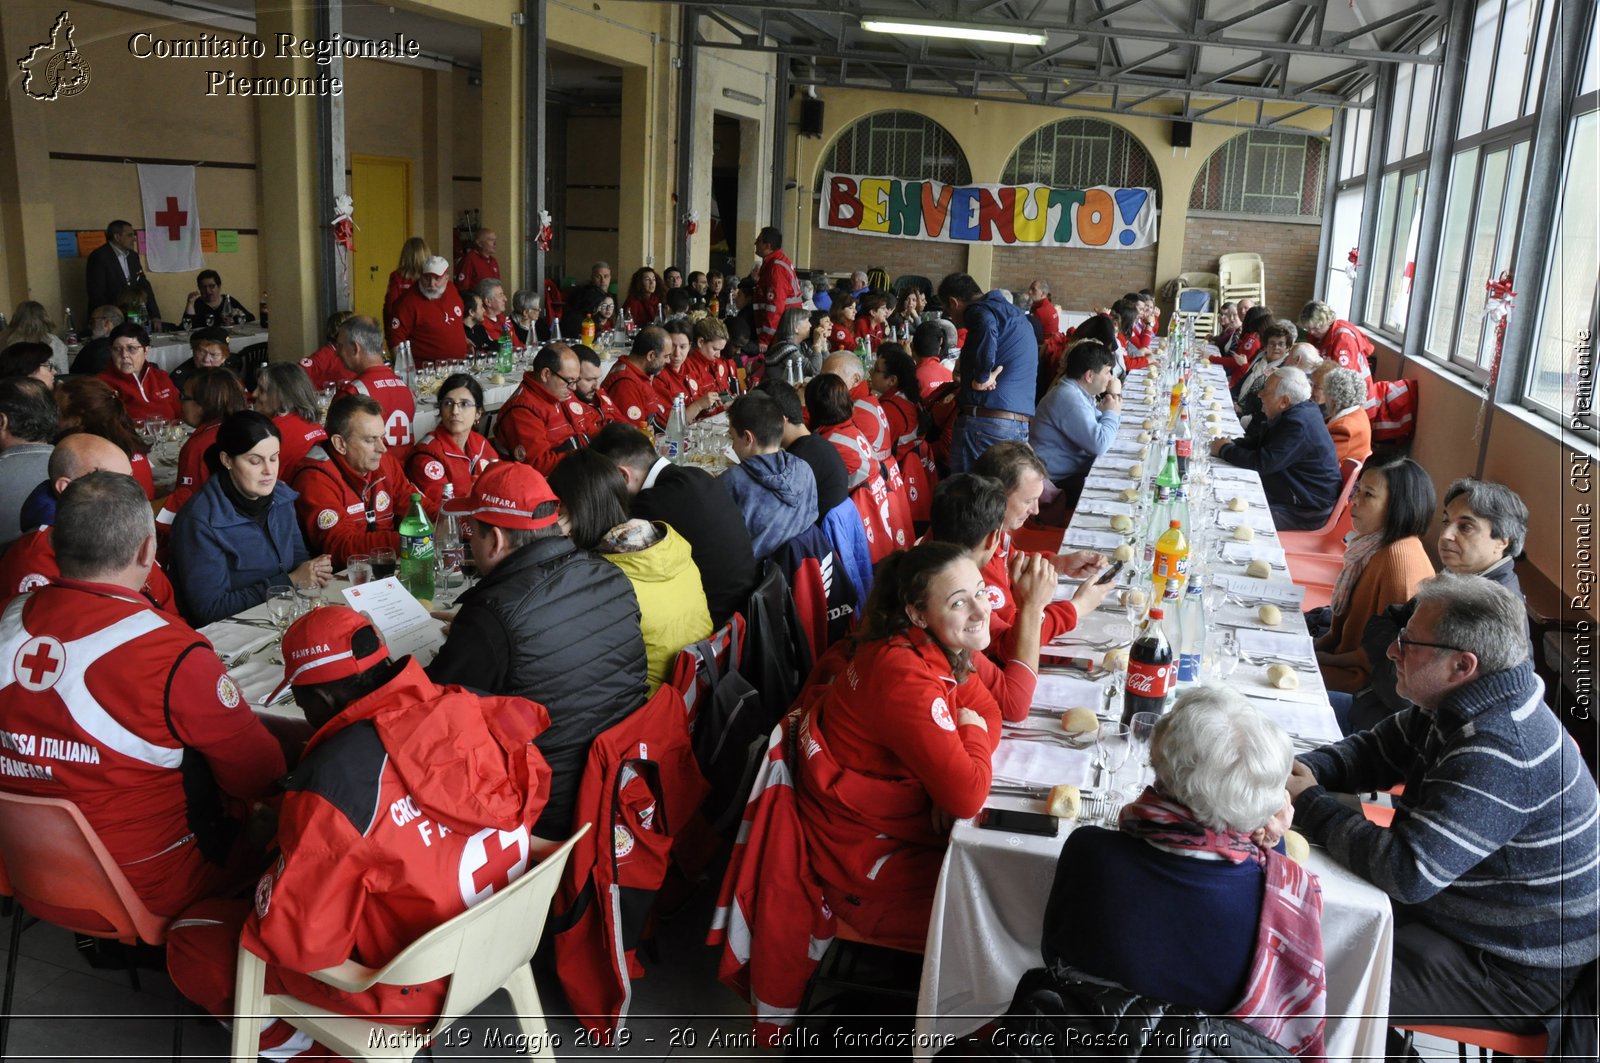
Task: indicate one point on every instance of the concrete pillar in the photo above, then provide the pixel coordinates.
(980, 264)
(503, 100)
(536, 86)
(1171, 229)
(438, 162)
(296, 222)
(28, 266)
(633, 180)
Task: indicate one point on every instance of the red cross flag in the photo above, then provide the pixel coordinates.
(171, 219)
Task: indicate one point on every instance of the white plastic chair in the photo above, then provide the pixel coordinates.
(487, 947)
(1242, 275)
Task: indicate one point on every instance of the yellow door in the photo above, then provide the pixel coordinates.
(381, 189)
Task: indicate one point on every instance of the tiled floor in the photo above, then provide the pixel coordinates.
(66, 1010)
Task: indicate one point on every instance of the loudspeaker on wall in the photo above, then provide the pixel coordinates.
(1182, 134)
(810, 117)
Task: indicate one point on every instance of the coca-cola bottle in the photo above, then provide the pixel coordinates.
(1151, 671)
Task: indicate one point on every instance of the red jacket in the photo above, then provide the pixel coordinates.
(771, 922)
(150, 394)
(495, 327)
(398, 286)
(931, 374)
(853, 449)
(777, 290)
(144, 474)
(536, 428)
(1049, 317)
(1347, 345)
(434, 326)
(869, 328)
(399, 406)
(437, 461)
(869, 417)
(643, 311)
(30, 563)
(640, 787)
(1059, 617)
(841, 338)
(904, 421)
(412, 805)
(591, 417)
(880, 747)
(475, 266)
(324, 367)
(299, 436)
(635, 395)
(192, 474)
(708, 374)
(342, 513)
(109, 703)
(670, 383)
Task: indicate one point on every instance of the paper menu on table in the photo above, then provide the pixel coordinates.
(1244, 553)
(1279, 592)
(1105, 507)
(1083, 538)
(1042, 763)
(405, 626)
(1286, 644)
(1057, 691)
(1107, 483)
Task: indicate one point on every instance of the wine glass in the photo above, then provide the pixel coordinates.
(308, 598)
(1135, 600)
(1224, 655)
(283, 606)
(1140, 728)
(1111, 748)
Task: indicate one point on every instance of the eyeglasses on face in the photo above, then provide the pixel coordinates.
(457, 404)
(1407, 642)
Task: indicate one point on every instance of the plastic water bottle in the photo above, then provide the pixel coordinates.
(71, 336)
(416, 552)
(505, 358)
(1183, 442)
(404, 367)
(670, 444)
(1160, 518)
(1192, 633)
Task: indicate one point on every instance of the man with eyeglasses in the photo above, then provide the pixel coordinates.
(1491, 860)
(536, 424)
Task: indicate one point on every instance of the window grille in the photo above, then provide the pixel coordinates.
(899, 144)
(1264, 173)
(1081, 153)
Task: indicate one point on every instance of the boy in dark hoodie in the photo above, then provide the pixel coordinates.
(776, 491)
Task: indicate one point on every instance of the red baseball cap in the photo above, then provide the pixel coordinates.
(507, 494)
(330, 643)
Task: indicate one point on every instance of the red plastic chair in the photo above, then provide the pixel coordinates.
(55, 868)
(1327, 540)
(1521, 1045)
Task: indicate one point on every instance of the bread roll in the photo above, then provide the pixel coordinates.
(1295, 846)
(1149, 423)
(1258, 569)
(1064, 802)
(1270, 615)
(1136, 471)
(1144, 437)
(1080, 721)
(1244, 533)
(1283, 677)
(1121, 523)
(1123, 552)
(1115, 660)
(1237, 504)
(1130, 494)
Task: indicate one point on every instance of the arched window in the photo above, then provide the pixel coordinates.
(1081, 153)
(1260, 172)
(899, 144)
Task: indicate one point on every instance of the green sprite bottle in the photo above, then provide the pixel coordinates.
(416, 552)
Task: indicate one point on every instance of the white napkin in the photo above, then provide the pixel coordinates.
(1108, 483)
(1276, 591)
(1244, 553)
(1093, 540)
(1105, 507)
(1058, 691)
(1286, 644)
(1043, 763)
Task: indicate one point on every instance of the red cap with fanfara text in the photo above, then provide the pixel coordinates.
(508, 494)
(330, 643)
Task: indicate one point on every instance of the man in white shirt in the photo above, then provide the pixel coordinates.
(114, 266)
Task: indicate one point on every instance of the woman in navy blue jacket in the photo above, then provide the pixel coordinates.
(238, 535)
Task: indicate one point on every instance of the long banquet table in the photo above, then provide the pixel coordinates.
(988, 910)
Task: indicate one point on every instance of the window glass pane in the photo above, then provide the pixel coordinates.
(1363, 140)
(1421, 110)
(1452, 253)
(1541, 41)
(1510, 67)
(1569, 294)
(1407, 219)
(1480, 57)
(1347, 144)
(1480, 255)
(1377, 257)
(1591, 65)
(1402, 110)
(1346, 234)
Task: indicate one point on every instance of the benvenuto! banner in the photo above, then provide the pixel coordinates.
(1026, 215)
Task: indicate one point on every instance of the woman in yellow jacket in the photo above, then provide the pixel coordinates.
(657, 560)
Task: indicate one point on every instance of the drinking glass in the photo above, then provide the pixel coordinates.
(1111, 748)
(448, 579)
(148, 431)
(1135, 601)
(385, 563)
(282, 608)
(1224, 655)
(1140, 728)
(359, 569)
(309, 598)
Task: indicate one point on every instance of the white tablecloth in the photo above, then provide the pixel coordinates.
(987, 914)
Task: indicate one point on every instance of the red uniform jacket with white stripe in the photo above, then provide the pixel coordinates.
(378, 382)
(868, 416)
(409, 807)
(298, 437)
(324, 367)
(777, 290)
(192, 475)
(128, 713)
(30, 563)
(636, 397)
(437, 461)
(537, 428)
(150, 394)
(590, 417)
(343, 512)
(434, 326)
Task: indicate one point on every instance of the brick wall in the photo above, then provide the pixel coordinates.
(1288, 255)
(839, 252)
(1079, 278)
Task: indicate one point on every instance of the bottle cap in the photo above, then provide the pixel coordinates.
(1157, 614)
(1175, 524)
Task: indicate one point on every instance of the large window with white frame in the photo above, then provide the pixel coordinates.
(1405, 179)
(1355, 138)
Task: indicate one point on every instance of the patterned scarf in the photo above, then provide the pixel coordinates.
(1286, 995)
(1356, 555)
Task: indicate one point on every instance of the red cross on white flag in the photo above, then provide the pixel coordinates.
(171, 219)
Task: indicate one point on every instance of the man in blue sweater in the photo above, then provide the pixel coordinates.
(998, 370)
(1491, 860)
(1293, 453)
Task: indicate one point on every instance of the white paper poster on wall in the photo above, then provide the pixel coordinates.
(1033, 215)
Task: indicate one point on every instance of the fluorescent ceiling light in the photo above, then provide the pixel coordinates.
(954, 31)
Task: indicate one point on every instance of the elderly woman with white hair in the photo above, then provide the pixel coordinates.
(1342, 395)
(1184, 901)
(1292, 451)
(1338, 340)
